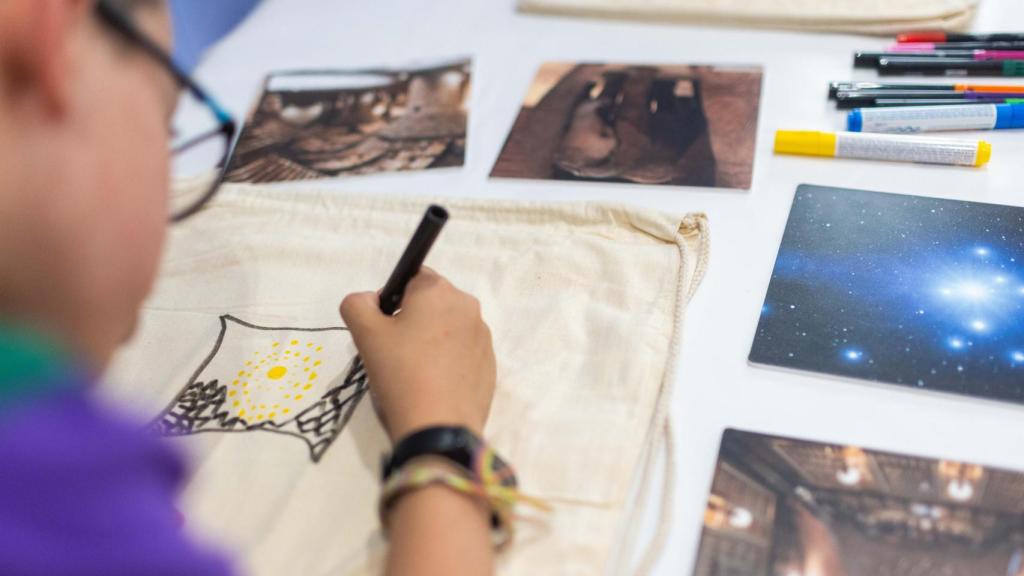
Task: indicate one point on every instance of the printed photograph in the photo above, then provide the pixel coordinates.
(329, 124)
(677, 125)
(785, 507)
(907, 290)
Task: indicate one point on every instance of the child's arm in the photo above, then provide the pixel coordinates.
(432, 364)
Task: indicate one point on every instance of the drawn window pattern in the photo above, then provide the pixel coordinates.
(285, 380)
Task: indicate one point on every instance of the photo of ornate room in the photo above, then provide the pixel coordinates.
(784, 507)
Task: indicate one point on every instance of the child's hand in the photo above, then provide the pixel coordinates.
(431, 364)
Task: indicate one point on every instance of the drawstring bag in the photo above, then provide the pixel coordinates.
(882, 17)
(242, 360)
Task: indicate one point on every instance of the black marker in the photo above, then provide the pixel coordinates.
(412, 259)
(951, 67)
(911, 47)
(836, 87)
(885, 102)
(870, 59)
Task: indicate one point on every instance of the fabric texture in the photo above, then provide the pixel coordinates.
(585, 303)
(882, 17)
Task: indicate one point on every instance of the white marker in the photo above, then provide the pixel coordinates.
(911, 119)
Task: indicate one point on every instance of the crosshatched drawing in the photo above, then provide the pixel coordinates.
(291, 381)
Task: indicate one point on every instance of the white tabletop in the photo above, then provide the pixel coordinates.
(716, 388)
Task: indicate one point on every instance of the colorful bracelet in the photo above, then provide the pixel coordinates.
(496, 489)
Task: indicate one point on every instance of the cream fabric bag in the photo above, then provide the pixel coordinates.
(881, 17)
(241, 353)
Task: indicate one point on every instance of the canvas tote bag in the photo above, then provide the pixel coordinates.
(883, 17)
(241, 358)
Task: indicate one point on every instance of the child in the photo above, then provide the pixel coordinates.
(86, 92)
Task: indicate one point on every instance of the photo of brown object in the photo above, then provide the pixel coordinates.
(784, 507)
(366, 122)
(676, 125)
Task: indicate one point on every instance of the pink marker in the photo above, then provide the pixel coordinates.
(999, 54)
(912, 47)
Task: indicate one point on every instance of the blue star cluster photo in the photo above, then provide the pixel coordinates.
(906, 290)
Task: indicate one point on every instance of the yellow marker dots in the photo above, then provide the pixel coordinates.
(270, 382)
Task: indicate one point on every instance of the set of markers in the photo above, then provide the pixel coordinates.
(884, 120)
(946, 54)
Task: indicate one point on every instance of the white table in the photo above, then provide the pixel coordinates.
(717, 388)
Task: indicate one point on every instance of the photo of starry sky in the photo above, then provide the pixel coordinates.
(907, 290)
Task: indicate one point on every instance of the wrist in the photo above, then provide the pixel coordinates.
(401, 429)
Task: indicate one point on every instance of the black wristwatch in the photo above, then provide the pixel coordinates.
(454, 443)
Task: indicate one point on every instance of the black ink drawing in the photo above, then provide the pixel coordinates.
(272, 380)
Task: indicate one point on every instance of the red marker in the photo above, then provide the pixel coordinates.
(940, 36)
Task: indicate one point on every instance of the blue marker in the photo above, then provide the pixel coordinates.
(913, 119)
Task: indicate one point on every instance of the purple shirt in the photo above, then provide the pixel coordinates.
(83, 492)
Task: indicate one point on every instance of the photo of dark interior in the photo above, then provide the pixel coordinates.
(675, 125)
(785, 507)
(364, 122)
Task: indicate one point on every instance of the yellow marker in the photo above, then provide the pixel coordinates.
(897, 148)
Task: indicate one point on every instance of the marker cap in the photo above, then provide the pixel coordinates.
(1009, 116)
(805, 142)
(854, 121)
(984, 153)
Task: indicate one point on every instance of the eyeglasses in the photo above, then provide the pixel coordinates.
(201, 132)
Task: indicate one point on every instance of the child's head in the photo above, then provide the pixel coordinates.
(84, 119)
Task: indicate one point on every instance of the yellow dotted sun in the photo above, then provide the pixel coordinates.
(268, 385)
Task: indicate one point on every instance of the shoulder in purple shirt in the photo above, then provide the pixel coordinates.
(85, 493)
